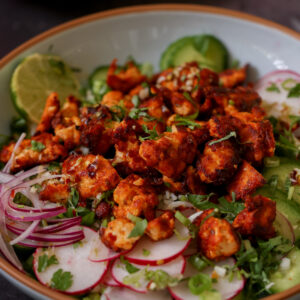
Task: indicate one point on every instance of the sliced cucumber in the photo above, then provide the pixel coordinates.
(281, 173)
(99, 74)
(207, 50)
(289, 208)
(285, 279)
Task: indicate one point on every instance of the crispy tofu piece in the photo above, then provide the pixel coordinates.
(161, 227)
(186, 78)
(257, 218)
(220, 126)
(156, 107)
(193, 182)
(200, 131)
(256, 136)
(40, 149)
(115, 235)
(217, 239)
(68, 132)
(246, 180)
(93, 174)
(51, 109)
(241, 98)
(112, 98)
(70, 108)
(233, 77)
(171, 153)
(127, 146)
(182, 106)
(135, 196)
(218, 163)
(55, 191)
(96, 129)
(126, 79)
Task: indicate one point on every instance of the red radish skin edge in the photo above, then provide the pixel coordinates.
(262, 80)
(143, 262)
(138, 291)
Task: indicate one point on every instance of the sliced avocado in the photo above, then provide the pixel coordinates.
(289, 208)
(285, 279)
(207, 50)
(282, 174)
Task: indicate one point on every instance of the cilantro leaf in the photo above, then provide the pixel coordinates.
(61, 280)
(44, 262)
(227, 137)
(294, 91)
(189, 98)
(201, 201)
(146, 252)
(139, 228)
(184, 121)
(136, 113)
(118, 112)
(135, 100)
(37, 146)
(153, 135)
(129, 267)
(73, 198)
(273, 88)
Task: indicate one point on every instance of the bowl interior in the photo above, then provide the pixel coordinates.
(145, 35)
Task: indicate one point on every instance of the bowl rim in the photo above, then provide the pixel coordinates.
(4, 264)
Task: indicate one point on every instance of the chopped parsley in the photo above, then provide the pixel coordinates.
(231, 102)
(136, 113)
(61, 280)
(59, 65)
(227, 137)
(78, 244)
(118, 112)
(183, 121)
(273, 88)
(45, 261)
(54, 166)
(129, 267)
(146, 252)
(139, 228)
(37, 146)
(135, 100)
(188, 97)
(73, 198)
(167, 184)
(153, 135)
(295, 91)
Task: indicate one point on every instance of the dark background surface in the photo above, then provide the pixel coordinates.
(20, 20)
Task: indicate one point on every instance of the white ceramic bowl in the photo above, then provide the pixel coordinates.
(144, 32)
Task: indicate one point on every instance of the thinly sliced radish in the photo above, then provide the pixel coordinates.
(99, 252)
(86, 274)
(228, 289)
(108, 280)
(174, 268)
(276, 103)
(284, 227)
(161, 252)
(115, 293)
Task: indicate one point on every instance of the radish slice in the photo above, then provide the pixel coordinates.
(284, 227)
(228, 289)
(99, 252)
(126, 294)
(278, 103)
(86, 274)
(108, 280)
(162, 251)
(174, 268)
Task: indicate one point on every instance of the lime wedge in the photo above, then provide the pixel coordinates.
(35, 78)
